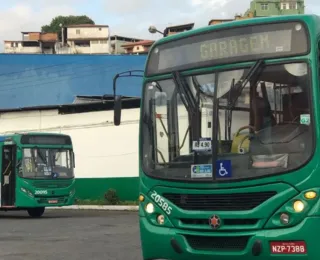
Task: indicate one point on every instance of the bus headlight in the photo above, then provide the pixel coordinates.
(295, 210)
(149, 208)
(298, 206)
(310, 195)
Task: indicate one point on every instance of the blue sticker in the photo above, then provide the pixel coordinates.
(201, 171)
(224, 169)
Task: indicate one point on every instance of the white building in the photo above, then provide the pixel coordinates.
(87, 39)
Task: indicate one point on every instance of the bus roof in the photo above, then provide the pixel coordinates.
(280, 18)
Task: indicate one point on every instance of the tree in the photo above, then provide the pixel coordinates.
(54, 26)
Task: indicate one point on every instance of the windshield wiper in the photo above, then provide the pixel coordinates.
(41, 156)
(191, 103)
(252, 76)
(185, 93)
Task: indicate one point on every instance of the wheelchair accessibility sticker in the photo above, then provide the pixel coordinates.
(224, 169)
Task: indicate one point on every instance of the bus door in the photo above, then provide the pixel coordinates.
(8, 176)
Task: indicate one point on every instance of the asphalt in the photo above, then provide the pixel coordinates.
(71, 235)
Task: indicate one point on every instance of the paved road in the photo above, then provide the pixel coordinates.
(71, 235)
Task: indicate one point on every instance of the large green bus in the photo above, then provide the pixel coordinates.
(229, 154)
(37, 171)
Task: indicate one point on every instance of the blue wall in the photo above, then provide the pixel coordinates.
(36, 80)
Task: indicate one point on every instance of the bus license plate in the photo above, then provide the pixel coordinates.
(288, 247)
(53, 201)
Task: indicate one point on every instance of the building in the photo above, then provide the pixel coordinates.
(276, 7)
(140, 47)
(117, 42)
(33, 42)
(237, 17)
(85, 39)
(262, 8)
(177, 29)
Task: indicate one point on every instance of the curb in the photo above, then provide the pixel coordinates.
(96, 207)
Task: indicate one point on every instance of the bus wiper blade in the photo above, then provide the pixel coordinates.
(41, 156)
(253, 76)
(186, 96)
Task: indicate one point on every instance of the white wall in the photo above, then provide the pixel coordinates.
(20, 49)
(101, 149)
(88, 32)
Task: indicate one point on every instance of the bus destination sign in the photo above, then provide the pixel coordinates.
(258, 43)
(46, 139)
(230, 45)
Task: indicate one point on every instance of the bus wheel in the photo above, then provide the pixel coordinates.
(36, 212)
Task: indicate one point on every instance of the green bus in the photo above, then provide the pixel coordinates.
(37, 172)
(229, 163)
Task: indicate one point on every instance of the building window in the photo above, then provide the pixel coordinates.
(293, 6)
(264, 7)
(82, 43)
(284, 6)
(78, 31)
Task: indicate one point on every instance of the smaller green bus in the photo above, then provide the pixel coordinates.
(37, 171)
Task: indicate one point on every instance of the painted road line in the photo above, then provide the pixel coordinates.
(98, 207)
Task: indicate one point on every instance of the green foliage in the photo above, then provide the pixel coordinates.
(112, 197)
(54, 26)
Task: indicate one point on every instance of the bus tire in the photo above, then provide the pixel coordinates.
(36, 212)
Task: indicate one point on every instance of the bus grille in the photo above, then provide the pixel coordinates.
(219, 202)
(51, 184)
(238, 243)
(226, 222)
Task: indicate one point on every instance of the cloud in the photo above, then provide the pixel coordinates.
(167, 12)
(22, 16)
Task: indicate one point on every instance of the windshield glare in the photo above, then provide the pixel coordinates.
(263, 128)
(47, 163)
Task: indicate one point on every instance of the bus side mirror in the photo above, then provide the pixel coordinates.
(117, 110)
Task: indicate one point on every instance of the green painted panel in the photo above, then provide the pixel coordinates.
(94, 188)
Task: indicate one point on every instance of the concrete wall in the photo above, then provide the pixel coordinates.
(106, 155)
(18, 48)
(93, 47)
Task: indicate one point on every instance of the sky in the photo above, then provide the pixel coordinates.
(125, 17)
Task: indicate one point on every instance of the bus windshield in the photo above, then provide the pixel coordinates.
(44, 163)
(262, 127)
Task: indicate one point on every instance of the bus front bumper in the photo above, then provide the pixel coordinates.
(170, 243)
